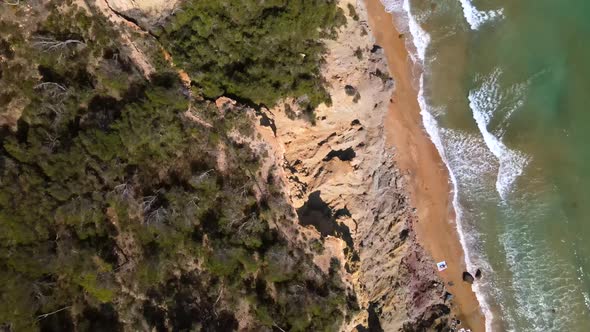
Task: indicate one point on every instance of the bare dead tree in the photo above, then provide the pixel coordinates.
(147, 202)
(51, 140)
(194, 201)
(54, 97)
(11, 3)
(201, 177)
(124, 190)
(251, 221)
(50, 44)
(45, 85)
(218, 298)
(43, 316)
(52, 89)
(57, 110)
(278, 327)
(120, 250)
(157, 216)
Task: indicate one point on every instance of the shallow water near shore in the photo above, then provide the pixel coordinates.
(504, 94)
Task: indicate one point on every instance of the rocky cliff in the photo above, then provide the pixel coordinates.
(347, 191)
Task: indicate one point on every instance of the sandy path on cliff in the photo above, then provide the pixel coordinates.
(430, 188)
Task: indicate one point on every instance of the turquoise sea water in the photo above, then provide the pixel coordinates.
(505, 94)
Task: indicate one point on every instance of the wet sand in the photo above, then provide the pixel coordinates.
(428, 176)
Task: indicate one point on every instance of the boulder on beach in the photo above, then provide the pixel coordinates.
(467, 277)
(448, 296)
(350, 90)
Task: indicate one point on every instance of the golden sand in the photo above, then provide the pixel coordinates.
(428, 176)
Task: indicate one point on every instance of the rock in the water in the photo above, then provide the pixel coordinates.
(467, 277)
(478, 274)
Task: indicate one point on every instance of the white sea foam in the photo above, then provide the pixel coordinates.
(484, 101)
(477, 18)
(420, 37)
(406, 21)
(432, 129)
(541, 281)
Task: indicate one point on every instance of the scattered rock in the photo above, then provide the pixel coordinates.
(376, 48)
(448, 296)
(467, 277)
(403, 235)
(478, 274)
(350, 90)
(356, 98)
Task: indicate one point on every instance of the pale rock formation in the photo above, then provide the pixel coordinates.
(146, 13)
(342, 180)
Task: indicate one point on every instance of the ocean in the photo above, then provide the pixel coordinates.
(504, 88)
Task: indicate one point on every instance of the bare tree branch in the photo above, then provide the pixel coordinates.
(43, 316)
(147, 202)
(53, 90)
(52, 141)
(201, 177)
(218, 298)
(278, 327)
(15, 3)
(157, 216)
(44, 85)
(125, 190)
(50, 44)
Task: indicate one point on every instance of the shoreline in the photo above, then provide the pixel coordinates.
(427, 174)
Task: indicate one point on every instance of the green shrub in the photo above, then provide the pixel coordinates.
(256, 51)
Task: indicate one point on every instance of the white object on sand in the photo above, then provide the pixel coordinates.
(441, 265)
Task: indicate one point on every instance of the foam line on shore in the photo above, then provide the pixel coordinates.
(401, 9)
(484, 102)
(432, 129)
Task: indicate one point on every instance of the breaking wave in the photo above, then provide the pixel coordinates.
(406, 21)
(477, 18)
(484, 102)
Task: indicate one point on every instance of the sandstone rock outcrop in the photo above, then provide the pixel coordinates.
(146, 13)
(342, 180)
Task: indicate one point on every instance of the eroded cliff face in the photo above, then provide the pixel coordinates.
(341, 178)
(146, 13)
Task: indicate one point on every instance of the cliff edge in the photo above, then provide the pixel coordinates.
(346, 188)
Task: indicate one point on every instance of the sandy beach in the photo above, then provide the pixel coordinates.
(428, 176)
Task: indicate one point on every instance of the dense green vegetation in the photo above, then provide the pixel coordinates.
(113, 213)
(259, 51)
